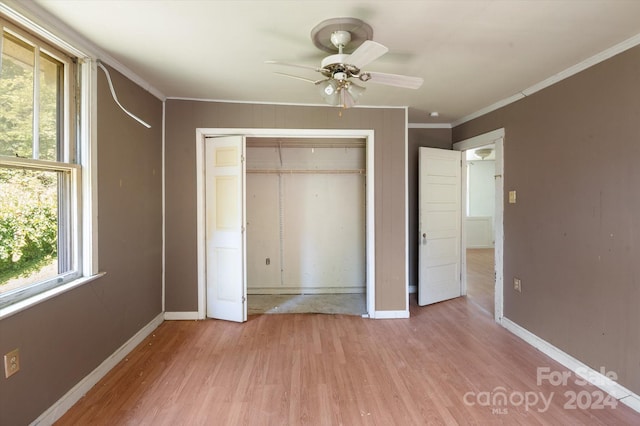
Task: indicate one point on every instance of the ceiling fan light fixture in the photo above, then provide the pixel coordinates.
(347, 99)
(355, 91)
(329, 90)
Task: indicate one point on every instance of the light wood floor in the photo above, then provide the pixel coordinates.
(481, 278)
(314, 369)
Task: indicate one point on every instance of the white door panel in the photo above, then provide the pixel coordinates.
(439, 249)
(447, 167)
(440, 193)
(440, 287)
(443, 222)
(440, 225)
(225, 225)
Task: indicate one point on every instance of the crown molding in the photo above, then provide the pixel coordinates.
(573, 70)
(488, 109)
(232, 101)
(51, 28)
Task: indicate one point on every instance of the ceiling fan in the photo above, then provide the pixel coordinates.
(340, 70)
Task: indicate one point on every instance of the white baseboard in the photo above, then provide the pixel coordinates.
(179, 316)
(585, 372)
(390, 314)
(61, 406)
(632, 401)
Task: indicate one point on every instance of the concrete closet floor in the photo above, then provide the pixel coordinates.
(344, 303)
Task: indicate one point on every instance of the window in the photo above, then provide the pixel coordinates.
(41, 167)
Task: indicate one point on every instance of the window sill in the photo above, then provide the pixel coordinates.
(39, 298)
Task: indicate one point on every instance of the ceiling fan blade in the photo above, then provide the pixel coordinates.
(308, 67)
(297, 77)
(397, 80)
(368, 52)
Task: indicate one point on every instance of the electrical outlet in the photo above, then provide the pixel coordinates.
(517, 285)
(11, 363)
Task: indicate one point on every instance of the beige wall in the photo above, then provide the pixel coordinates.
(65, 338)
(571, 152)
(182, 119)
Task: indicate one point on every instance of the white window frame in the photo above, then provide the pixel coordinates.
(71, 200)
(83, 194)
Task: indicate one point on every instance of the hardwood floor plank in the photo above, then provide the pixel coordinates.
(441, 366)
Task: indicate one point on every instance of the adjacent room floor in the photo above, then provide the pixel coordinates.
(481, 278)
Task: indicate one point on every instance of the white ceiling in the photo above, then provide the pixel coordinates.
(471, 54)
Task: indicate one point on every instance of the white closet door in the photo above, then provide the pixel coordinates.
(225, 228)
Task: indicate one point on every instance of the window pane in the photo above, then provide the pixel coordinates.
(50, 73)
(29, 226)
(16, 98)
(40, 198)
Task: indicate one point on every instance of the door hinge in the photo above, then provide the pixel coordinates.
(242, 158)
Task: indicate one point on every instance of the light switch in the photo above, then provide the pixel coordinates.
(512, 197)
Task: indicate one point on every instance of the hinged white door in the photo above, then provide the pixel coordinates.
(225, 228)
(440, 225)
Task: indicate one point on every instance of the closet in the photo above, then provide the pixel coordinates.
(305, 204)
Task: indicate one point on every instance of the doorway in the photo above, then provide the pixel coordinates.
(203, 135)
(479, 242)
(483, 267)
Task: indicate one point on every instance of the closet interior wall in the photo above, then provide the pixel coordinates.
(306, 206)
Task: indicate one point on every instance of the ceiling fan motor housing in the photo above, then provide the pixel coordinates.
(336, 66)
(338, 58)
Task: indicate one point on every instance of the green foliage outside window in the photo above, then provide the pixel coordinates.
(28, 221)
(28, 198)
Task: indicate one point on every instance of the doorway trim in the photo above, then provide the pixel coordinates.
(495, 137)
(370, 252)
